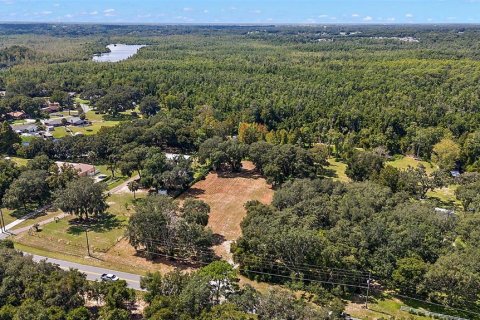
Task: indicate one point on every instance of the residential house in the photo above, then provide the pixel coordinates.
(76, 121)
(56, 122)
(83, 169)
(17, 115)
(25, 128)
(52, 107)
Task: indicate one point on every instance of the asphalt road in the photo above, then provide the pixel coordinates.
(93, 273)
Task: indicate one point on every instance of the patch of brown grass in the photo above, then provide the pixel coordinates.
(227, 193)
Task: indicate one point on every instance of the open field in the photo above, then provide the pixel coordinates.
(405, 162)
(385, 306)
(336, 170)
(380, 309)
(61, 132)
(226, 194)
(68, 236)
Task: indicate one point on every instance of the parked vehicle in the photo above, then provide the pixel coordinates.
(109, 277)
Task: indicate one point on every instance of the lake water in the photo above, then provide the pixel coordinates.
(118, 52)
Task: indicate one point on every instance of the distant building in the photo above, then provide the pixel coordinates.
(24, 128)
(76, 121)
(52, 107)
(83, 169)
(455, 173)
(444, 211)
(16, 115)
(56, 122)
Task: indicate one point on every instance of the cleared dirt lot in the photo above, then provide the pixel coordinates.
(226, 193)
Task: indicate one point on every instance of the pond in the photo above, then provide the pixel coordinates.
(118, 52)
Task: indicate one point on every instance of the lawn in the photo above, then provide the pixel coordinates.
(446, 195)
(38, 218)
(7, 216)
(336, 170)
(388, 307)
(61, 132)
(19, 161)
(404, 162)
(68, 235)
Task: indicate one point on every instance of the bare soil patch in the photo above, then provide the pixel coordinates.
(227, 193)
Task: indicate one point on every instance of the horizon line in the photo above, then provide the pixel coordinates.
(242, 24)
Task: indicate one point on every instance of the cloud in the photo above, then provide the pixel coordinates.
(367, 18)
(187, 9)
(94, 13)
(206, 11)
(323, 16)
(355, 15)
(257, 11)
(46, 12)
(109, 12)
(409, 15)
(69, 16)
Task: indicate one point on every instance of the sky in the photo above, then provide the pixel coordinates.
(242, 11)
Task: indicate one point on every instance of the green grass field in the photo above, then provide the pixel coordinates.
(405, 162)
(68, 234)
(336, 170)
(388, 307)
(19, 161)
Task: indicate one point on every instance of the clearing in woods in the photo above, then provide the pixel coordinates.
(227, 193)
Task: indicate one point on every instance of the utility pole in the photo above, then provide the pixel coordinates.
(3, 227)
(88, 245)
(368, 289)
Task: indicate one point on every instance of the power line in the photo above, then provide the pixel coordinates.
(334, 283)
(299, 266)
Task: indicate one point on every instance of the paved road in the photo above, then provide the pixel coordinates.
(93, 273)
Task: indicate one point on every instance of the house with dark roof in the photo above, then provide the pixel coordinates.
(52, 107)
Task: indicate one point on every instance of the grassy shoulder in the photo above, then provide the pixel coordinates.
(84, 259)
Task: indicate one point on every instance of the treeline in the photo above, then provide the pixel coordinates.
(213, 292)
(398, 99)
(42, 182)
(314, 228)
(43, 291)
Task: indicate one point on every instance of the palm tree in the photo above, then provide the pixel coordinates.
(133, 186)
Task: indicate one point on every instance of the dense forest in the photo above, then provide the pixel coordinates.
(288, 99)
